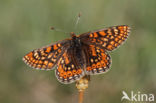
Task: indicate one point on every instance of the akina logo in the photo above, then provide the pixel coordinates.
(137, 97)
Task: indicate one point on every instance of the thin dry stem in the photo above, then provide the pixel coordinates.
(81, 85)
(81, 93)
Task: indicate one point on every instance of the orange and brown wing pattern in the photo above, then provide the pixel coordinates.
(44, 58)
(97, 60)
(109, 38)
(67, 70)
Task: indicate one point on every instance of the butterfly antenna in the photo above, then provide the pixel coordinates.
(58, 30)
(77, 21)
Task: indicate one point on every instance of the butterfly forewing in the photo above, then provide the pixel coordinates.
(45, 58)
(109, 38)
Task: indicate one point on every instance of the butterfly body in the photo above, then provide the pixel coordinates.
(80, 55)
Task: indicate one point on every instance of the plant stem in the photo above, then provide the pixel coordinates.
(81, 93)
(81, 85)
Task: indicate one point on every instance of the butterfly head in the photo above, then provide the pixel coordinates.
(75, 39)
(73, 34)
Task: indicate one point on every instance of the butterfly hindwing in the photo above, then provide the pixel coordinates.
(97, 60)
(68, 70)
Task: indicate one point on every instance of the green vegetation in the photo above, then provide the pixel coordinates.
(25, 25)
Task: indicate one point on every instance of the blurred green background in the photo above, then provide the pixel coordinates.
(25, 25)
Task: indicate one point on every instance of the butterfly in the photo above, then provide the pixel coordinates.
(80, 55)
